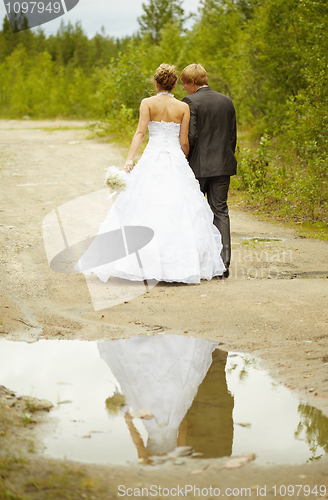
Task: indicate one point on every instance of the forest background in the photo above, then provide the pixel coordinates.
(269, 56)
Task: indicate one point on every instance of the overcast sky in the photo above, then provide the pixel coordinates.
(119, 17)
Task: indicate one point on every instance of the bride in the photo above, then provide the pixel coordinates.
(162, 194)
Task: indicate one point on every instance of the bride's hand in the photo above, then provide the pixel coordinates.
(128, 166)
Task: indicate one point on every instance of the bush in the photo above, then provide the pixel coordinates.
(253, 167)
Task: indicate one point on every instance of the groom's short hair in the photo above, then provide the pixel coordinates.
(194, 73)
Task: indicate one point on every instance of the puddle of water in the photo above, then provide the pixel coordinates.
(220, 404)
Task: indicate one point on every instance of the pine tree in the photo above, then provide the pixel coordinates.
(157, 14)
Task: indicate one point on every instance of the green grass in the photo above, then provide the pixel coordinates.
(280, 189)
(23, 478)
(29, 480)
(26, 420)
(70, 483)
(277, 213)
(306, 228)
(60, 128)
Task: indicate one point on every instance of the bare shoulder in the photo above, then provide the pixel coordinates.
(145, 106)
(149, 102)
(183, 106)
(145, 101)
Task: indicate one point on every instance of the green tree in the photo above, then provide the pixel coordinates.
(247, 7)
(308, 109)
(169, 48)
(126, 81)
(70, 46)
(213, 42)
(103, 49)
(9, 40)
(157, 14)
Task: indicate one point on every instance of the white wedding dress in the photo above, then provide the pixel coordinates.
(161, 374)
(162, 194)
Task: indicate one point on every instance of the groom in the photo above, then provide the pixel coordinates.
(212, 141)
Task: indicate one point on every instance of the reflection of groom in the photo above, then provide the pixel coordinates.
(212, 140)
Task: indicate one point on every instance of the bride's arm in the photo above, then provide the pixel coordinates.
(138, 137)
(184, 130)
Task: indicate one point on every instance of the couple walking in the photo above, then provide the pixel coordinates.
(166, 193)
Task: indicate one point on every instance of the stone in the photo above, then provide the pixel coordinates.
(34, 404)
(181, 451)
(236, 463)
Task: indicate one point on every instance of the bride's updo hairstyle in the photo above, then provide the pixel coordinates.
(166, 76)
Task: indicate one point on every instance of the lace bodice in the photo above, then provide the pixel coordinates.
(164, 135)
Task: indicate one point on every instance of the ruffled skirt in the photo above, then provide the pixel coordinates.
(162, 197)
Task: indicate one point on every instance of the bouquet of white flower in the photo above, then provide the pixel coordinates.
(116, 179)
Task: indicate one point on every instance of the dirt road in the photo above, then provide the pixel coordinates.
(274, 304)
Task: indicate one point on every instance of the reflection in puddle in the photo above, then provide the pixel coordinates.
(313, 428)
(182, 383)
(208, 424)
(195, 395)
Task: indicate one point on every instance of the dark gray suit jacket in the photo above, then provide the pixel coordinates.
(212, 133)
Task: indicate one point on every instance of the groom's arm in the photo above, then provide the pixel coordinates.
(233, 131)
(193, 125)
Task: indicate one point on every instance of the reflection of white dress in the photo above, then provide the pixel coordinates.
(164, 195)
(161, 374)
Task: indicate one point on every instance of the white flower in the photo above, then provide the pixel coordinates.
(116, 179)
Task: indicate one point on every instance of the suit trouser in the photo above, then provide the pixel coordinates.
(216, 188)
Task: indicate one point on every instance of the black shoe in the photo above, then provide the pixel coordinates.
(226, 273)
